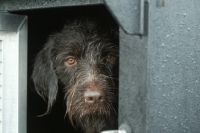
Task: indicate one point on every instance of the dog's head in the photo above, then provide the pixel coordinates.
(85, 60)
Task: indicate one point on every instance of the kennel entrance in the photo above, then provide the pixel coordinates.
(41, 24)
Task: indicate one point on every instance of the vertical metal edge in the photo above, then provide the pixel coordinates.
(133, 81)
(14, 77)
(142, 17)
(1, 85)
(22, 92)
(146, 33)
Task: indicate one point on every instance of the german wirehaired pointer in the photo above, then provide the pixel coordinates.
(83, 58)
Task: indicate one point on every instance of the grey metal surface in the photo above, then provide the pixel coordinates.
(160, 74)
(11, 22)
(12, 5)
(22, 92)
(14, 79)
(129, 14)
(133, 78)
(174, 67)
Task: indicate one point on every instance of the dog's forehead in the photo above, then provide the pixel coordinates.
(93, 48)
(82, 41)
(88, 44)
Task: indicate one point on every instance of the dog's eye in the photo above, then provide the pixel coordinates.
(110, 58)
(70, 61)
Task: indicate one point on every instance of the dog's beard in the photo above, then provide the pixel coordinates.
(89, 117)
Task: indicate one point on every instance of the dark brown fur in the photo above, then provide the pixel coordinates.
(90, 47)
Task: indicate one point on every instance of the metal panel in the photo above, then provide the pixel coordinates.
(133, 77)
(160, 74)
(1, 85)
(11, 22)
(133, 81)
(174, 67)
(12, 5)
(129, 14)
(14, 81)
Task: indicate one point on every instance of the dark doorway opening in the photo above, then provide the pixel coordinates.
(41, 24)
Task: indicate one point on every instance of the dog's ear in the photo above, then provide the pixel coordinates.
(44, 76)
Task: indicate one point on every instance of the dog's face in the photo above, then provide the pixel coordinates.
(85, 61)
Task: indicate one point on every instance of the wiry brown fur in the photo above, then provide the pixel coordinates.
(90, 46)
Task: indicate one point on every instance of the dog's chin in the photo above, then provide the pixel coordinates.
(91, 117)
(93, 120)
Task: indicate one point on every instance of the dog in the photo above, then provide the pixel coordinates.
(83, 57)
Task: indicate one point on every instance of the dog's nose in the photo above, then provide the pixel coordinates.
(94, 95)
